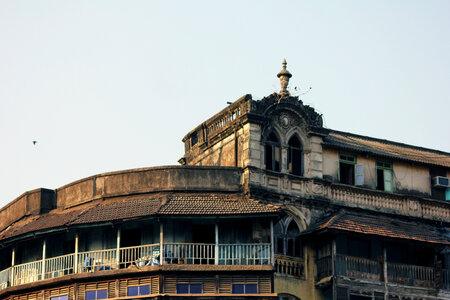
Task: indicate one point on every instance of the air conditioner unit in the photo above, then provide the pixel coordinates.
(441, 181)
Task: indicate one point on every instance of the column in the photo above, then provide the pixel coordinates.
(44, 246)
(333, 267)
(216, 254)
(13, 261)
(161, 244)
(76, 254)
(118, 249)
(272, 246)
(386, 294)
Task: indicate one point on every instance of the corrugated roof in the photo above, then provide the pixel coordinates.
(353, 142)
(379, 225)
(213, 205)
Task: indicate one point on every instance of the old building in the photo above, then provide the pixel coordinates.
(267, 204)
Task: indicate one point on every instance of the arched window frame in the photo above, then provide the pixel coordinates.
(295, 156)
(287, 243)
(273, 152)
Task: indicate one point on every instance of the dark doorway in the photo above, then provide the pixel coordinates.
(204, 233)
(130, 237)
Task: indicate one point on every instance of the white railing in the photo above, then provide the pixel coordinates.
(59, 266)
(147, 255)
(4, 278)
(28, 272)
(189, 253)
(97, 260)
(245, 254)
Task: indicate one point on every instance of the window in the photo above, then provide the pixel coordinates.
(138, 290)
(62, 297)
(248, 288)
(384, 176)
(194, 139)
(349, 172)
(189, 289)
(288, 241)
(295, 156)
(97, 294)
(273, 153)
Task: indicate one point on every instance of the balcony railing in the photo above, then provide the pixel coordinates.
(140, 256)
(411, 275)
(446, 279)
(324, 267)
(358, 267)
(245, 254)
(372, 270)
(288, 265)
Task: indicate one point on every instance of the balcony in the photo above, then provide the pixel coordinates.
(137, 257)
(373, 270)
(348, 195)
(288, 265)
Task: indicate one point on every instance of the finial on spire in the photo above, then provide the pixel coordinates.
(284, 76)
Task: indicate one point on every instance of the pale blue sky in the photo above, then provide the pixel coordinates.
(111, 85)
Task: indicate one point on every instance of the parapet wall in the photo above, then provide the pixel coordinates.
(122, 183)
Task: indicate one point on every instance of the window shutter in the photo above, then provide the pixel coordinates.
(359, 175)
(388, 186)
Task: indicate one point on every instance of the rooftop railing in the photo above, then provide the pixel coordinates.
(136, 257)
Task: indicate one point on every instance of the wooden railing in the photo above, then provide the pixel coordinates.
(26, 273)
(358, 267)
(324, 267)
(411, 275)
(140, 256)
(446, 279)
(5, 276)
(97, 260)
(189, 253)
(58, 266)
(244, 254)
(288, 265)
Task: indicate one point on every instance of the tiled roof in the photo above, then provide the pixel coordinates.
(386, 148)
(213, 205)
(40, 222)
(381, 226)
(122, 209)
(119, 210)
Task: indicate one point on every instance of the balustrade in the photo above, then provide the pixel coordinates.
(324, 267)
(446, 279)
(189, 253)
(97, 260)
(245, 254)
(140, 256)
(358, 267)
(289, 265)
(58, 266)
(411, 275)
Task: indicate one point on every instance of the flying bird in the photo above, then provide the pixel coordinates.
(34, 142)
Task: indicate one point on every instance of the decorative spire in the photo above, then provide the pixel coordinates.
(284, 76)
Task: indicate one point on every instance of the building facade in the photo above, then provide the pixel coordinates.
(267, 204)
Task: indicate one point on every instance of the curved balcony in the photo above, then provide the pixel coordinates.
(137, 257)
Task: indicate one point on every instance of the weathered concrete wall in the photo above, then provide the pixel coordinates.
(29, 203)
(406, 177)
(129, 182)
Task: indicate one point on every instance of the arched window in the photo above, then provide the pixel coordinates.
(293, 241)
(295, 156)
(287, 241)
(273, 153)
